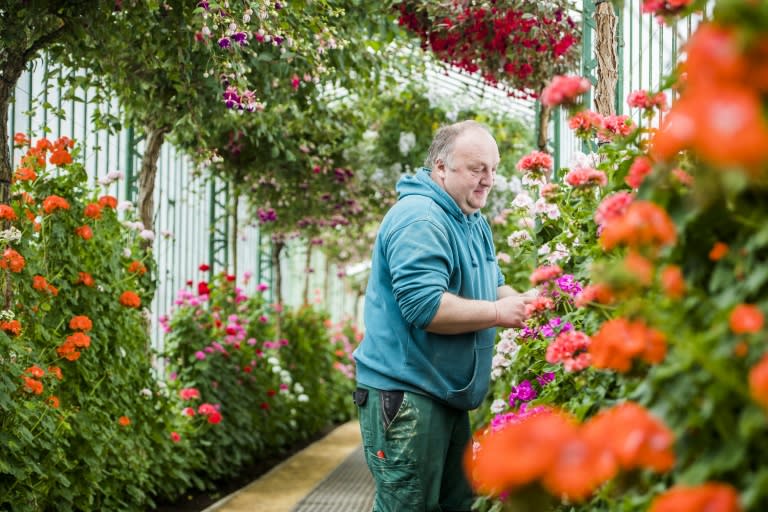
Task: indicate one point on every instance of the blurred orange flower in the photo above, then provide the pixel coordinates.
(758, 382)
(746, 318)
(712, 497)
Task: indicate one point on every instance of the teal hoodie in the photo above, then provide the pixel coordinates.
(427, 246)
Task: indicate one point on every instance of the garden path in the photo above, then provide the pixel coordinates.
(329, 475)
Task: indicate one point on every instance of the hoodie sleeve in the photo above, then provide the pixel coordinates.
(419, 256)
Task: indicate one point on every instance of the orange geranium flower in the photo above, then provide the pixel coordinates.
(130, 299)
(85, 278)
(11, 327)
(35, 372)
(80, 323)
(39, 283)
(124, 421)
(718, 251)
(619, 341)
(60, 157)
(642, 224)
(20, 139)
(581, 465)
(711, 496)
(137, 267)
(639, 267)
(535, 441)
(68, 351)
(746, 318)
(12, 261)
(92, 211)
(53, 203)
(84, 232)
(600, 293)
(635, 437)
(56, 372)
(32, 385)
(672, 281)
(7, 212)
(53, 400)
(758, 382)
(79, 340)
(25, 174)
(108, 202)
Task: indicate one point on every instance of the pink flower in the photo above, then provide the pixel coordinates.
(570, 348)
(189, 393)
(612, 206)
(585, 176)
(200, 355)
(545, 273)
(641, 99)
(614, 126)
(585, 123)
(188, 411)
(536, 162)
(640, 168)
(175, 437)
(564, 90)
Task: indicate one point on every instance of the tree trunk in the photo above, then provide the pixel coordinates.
(146, 200)
(307, 263)
(10, 75)
(605, 48)
(541, 137)
(277, 285)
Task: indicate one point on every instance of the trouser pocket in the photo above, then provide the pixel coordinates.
(390, 405)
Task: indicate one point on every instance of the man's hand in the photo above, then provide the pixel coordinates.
(510, 311)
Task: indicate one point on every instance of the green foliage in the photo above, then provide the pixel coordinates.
(270, 393)
(65, 447)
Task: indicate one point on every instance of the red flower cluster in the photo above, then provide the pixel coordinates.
(516, 43)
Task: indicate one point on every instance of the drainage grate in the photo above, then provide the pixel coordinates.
(349, 488)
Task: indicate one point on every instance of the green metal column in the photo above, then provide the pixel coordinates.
(218, 241)
(129, 163)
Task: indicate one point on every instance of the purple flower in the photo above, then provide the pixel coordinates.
(545, 378)
(568, 284)
(224, 42)
(204, 4)
(231, 98)
(278, 40)
(241, 38)
(524, 392)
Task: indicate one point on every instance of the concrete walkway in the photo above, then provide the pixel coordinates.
(287, 485)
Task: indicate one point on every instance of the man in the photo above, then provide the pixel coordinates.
(434, 298)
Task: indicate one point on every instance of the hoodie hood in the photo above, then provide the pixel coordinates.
(422, 184)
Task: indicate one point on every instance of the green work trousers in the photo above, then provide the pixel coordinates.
(414, 447)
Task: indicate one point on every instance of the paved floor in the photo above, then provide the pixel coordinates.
(330, 475)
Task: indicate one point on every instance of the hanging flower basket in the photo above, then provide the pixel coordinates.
(514, 44)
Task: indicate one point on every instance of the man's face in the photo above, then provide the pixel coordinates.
(468, 174)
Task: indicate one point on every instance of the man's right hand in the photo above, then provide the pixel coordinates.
(511, 309)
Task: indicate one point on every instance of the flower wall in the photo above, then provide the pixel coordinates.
(87, 420)
(639, 381)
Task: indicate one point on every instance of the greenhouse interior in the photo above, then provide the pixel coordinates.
(397, 256)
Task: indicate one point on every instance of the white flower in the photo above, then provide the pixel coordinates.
(583, 160)
(542, 207)
(544, 249)
(406, 142)
(517, 238)
(526, 223)
(523, 201)
(370, 135)
(285, 377)
(146, 392)
(124, 206)
(303, 398)
(273, 361)
(7, 314)
(498, 406)
(396, 168)
(10, 235)
(127, 252)
(298, 388)
(147, 234)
